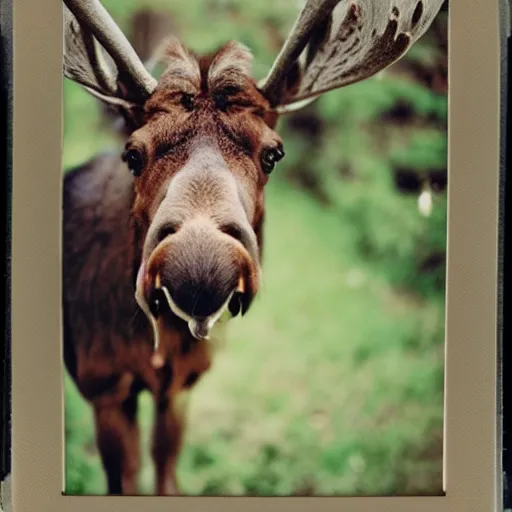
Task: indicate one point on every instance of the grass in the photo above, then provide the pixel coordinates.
(333, 383)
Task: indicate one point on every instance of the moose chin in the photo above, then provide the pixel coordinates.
(162, 242)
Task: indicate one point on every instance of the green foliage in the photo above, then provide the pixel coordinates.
(82, 466)
(333, 383)
(352, 165)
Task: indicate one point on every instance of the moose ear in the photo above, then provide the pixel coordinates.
(110, 71)
(336, 43)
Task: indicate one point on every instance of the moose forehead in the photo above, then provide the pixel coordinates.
(212, 97)
(224, 78)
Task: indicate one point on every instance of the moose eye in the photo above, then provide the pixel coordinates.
(187, 100)
(269, 158)
(134, 161)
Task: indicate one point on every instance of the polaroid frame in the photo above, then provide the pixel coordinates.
(472, 463)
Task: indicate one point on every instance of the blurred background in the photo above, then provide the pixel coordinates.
(333, 384)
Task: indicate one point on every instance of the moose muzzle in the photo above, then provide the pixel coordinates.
(198, 274)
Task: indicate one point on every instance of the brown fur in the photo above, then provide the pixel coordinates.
(195, 214)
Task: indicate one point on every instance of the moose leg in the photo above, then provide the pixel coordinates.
(118, 442)
(167, 439)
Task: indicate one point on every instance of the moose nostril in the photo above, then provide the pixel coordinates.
(165, 231)
(233, 231)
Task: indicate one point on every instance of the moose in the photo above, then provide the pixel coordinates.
(162, 244)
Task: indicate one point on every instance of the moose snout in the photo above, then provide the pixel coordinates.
(198, 272)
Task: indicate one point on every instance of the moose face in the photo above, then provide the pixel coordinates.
(201, 159)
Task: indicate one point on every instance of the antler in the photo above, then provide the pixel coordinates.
(87, 24)
(339, 42)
